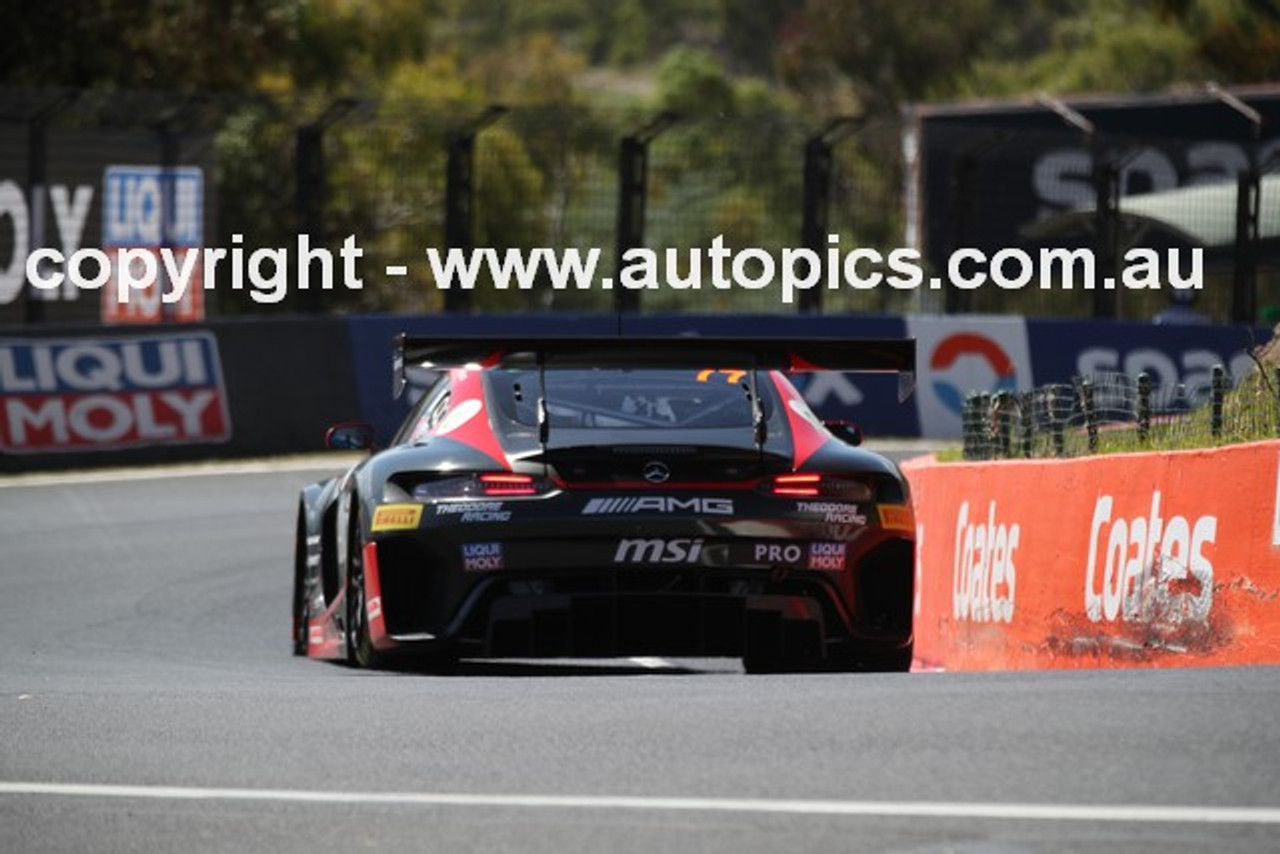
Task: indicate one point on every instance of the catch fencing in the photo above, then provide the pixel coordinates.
(404, 174)
(1112, 412)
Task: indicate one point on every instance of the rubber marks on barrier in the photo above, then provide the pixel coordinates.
(1139, 559)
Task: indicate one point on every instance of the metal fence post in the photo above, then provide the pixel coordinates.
(1106, 184)
(986, 438)
(1027, 402)
(1276, 387)
(633, 189)
(1004, 423)
(37, 192)
(1144, 407)
(309, 192)
(1219, 390)
(1244, 292)
(817, 198)
(1052, 401)
(1084, 389)
(459, 215)
(969, 425)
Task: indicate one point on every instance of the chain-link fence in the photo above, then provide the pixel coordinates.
(1128, 180)
(1112, 412)
(403, 175)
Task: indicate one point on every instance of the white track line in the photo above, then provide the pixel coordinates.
(1141, 814)
(650, 663)
(335, 462)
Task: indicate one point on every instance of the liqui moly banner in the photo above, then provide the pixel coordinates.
(98, 394)
(149, 208)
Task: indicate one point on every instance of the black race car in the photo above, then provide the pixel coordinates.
(613, 497)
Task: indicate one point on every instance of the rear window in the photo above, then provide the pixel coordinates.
(621, 399)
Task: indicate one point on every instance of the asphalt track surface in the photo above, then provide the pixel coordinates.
(148, 702)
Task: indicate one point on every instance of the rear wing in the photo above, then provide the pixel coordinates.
(795, 355)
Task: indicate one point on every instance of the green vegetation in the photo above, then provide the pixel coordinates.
(752, 79)
(833, 55)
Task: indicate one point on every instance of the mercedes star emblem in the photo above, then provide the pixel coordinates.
(656, 472)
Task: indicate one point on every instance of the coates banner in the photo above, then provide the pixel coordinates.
(1125, 560)
(98, 394)
(962, 354)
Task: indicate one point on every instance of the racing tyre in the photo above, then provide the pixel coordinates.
(300, 614)
(781, 647)
(876, 658)
(360, 651)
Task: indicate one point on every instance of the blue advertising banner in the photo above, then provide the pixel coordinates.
(1171, 354)
(101, 394)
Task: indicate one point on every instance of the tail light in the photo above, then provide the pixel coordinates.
(797, 485)
(814, 485)
(497, 485)
(480, 486)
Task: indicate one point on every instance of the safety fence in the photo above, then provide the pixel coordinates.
(403, 174)
(84, 169)
(1111, 412)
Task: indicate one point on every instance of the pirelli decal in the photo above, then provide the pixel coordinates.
(397, 517)
(897, 517)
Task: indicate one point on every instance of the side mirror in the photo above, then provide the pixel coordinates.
(845, 431)
(349, 436)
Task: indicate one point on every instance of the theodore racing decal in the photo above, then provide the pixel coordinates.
(397, 517)
(833, 511)
(482, 556)
(659, 504)
(474, 511)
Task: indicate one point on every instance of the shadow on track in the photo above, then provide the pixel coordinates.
(517, 668)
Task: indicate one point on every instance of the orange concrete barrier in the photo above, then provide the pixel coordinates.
(1129, 560)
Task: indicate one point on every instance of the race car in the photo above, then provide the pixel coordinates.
(613, 497)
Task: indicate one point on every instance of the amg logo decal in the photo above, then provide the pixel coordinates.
(658, 551)
(659, 504)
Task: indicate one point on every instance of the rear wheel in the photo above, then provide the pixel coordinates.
(783, 646)
(300, 609)
(360, 651)
(870, 657)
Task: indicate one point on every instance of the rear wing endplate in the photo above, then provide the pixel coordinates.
(792, 355)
